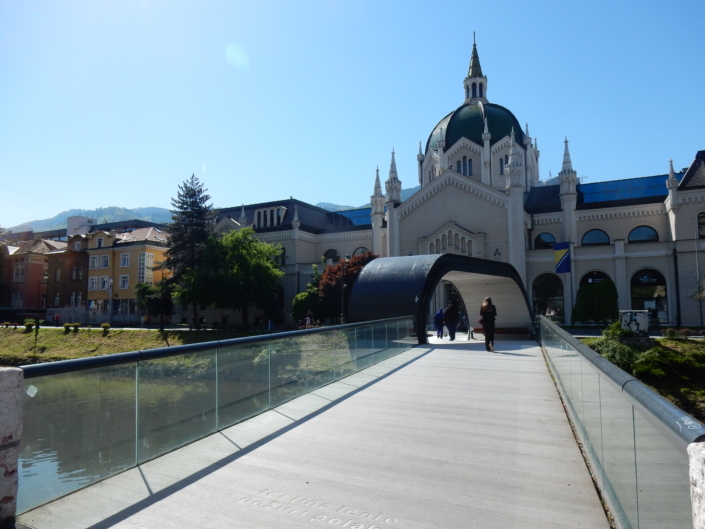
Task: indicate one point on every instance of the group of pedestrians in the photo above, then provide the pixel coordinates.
(449, 318)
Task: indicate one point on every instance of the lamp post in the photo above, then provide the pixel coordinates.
(161, 301)
(342, 288)
(41, 281)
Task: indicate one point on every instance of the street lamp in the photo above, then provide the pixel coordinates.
(41, 281)
(342, 288)
(161, 300)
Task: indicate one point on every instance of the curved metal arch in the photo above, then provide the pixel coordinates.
(399, 286)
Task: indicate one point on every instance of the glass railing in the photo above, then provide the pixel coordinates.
(85, 420)
(634, 439)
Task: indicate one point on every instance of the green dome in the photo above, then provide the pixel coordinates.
(468, 121)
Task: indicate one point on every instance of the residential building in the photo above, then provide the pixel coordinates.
(67, 284)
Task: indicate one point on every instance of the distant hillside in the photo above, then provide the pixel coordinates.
(405, 193)
(109, 214)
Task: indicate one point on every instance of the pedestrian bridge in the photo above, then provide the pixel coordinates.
(354, 426)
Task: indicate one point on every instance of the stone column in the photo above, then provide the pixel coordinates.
(696, 455)
(11, 388)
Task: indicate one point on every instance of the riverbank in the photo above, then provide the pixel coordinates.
(17, 345)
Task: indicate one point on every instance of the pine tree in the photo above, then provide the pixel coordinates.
(193, 222)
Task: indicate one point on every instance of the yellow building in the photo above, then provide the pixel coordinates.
(116, 263)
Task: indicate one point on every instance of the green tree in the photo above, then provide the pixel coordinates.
(238, 271)
(193, 221)
(330, 287)
(596, 302)
(309, 299)
(155, 300)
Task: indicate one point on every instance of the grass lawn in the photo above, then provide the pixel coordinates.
(17, 345)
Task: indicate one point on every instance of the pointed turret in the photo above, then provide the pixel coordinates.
(475, 84)
(296, 224)
(567, 164)
(377, 198)
(672, 182)
(420, 158)
(514, 168)
(243, 217)
(393, 184)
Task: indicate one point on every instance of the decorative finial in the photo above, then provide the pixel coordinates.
(473, 38)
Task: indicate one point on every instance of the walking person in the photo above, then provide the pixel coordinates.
(438, 323)
(451, 318)
(488, 313)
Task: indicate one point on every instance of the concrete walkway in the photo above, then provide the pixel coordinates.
(444, 436)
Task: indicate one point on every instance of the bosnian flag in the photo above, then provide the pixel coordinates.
(561, 255)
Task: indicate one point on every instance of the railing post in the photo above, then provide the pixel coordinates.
(11, 388)
(696, 455)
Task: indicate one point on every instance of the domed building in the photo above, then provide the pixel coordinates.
(481, 195)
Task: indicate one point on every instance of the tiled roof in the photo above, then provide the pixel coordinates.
(42, 246)
(143, 234)
(695, 175)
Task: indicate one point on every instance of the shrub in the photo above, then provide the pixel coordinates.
(669, 333)
(614, 331)
(89, 326)
(75, 326)
(105, 326)
(6, 324)
(67, 327)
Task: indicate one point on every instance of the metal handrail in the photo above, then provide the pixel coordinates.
(80, 364)
(678, 426)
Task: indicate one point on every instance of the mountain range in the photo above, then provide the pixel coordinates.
(152, 214)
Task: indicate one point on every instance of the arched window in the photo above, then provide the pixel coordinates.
(431, 248)
(481, 86)
(467, 93)
(458, 166)
(474, 90)
(548, 297)
(360, 251)
(331, 257)
(501, 165)
(465, 165)
(544, 241)
(701, 225)
(595, 238)
(643, 234)
(649, 293)
(282, 257)
(593, 277)
(259, 220)
(470, 167)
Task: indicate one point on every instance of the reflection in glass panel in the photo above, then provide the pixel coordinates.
(243, 382)
(322, 358)
(177, 399)
(364, 347)
(649, 293)
(287, 369)
(593, 277)
(548, 297)
(595, 238)
(544, 241)
(345, 354)
(643, 234)
(78, 428)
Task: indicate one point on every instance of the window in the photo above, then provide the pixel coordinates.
(145, 262)
(544, 241)
(465, 165)
(77, 246)
(57, 274)
(124, 260)
(100, 242)
(104, 261)
(17, 300)
(73, 272)
(595, 238)
(92, 283)
(701, 225)
(80, 272)
(57, 300)
(548, 297)
(501, 166)
(72, 299)
(458, 168)
(331, 257)
(94, 261)
(361, 250)
(643, 234)
(78, 299)
(44, 301)
(124, 282)
(470, 167)
(104, 282)
(18, 276)
(474, 89)
(649, 293)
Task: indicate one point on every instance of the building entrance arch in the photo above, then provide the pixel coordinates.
(403, 286)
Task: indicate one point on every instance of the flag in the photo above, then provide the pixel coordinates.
(561, 255)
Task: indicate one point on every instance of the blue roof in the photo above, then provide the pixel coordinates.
(357, 217)
(630, 189)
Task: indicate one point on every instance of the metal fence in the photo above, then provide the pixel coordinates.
(634, 439)
(85, 420)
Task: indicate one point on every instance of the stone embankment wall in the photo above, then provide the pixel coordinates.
(11, 387)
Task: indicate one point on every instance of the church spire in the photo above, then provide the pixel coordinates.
(475, 83)
(377, 198)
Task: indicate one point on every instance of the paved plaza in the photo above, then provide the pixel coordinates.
(442, 436)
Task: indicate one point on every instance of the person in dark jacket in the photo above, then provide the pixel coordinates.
(438, 323)
(451, 318)
(488, 312)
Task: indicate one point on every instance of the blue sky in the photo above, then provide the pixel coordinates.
(114, 103)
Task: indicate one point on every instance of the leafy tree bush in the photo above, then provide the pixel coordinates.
(309, 299)
(596, 302)
(331, 282)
